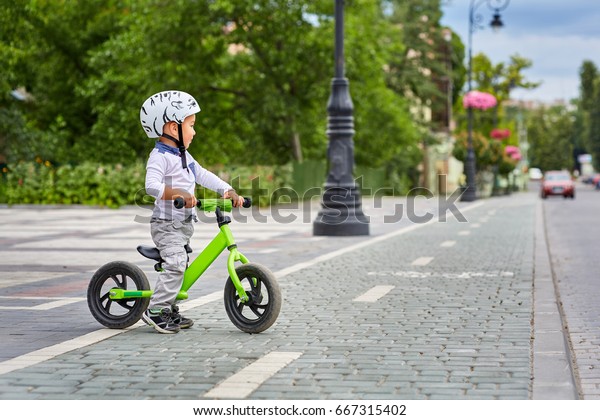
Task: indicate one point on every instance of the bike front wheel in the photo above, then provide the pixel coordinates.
(262, 309)
(120, 313)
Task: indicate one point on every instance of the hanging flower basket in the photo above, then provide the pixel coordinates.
(500, 133)
(513, 152)
(479, 100)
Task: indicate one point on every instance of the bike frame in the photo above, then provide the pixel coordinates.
(223, 240)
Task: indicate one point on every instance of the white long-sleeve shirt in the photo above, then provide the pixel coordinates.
(164, 169)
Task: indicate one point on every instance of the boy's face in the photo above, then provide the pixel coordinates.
(188, 130)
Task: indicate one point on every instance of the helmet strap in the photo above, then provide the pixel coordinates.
(179, 144)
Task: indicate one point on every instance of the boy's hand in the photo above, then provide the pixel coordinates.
(237, 200)
(190, 200)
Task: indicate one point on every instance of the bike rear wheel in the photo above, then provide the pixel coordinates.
(264, 304)
(120, 313)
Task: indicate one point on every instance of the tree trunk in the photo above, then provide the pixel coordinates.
(296, 147)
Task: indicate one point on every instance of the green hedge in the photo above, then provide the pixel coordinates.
(87, 183)
(117, 185)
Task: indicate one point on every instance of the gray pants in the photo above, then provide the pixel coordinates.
(170, 237)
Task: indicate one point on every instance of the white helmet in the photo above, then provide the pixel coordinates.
(164, 107)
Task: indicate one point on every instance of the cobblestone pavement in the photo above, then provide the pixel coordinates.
(415, 311)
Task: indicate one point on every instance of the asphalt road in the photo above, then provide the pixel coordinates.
(573, 232)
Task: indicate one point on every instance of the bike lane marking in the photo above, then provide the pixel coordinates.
(325, 257)
(422, 261)
(247, 380)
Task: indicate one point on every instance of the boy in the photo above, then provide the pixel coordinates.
(172, 172)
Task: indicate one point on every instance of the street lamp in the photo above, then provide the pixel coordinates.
(470, 193)
(341, 213)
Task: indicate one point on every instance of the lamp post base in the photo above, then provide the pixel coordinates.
(341, 213)
(469, 195)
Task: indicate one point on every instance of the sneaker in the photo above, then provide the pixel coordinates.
(161, 320)
(180, 320)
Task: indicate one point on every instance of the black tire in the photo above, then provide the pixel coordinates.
(117, 313)
(262, 310)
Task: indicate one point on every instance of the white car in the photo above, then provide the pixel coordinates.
(535, 174)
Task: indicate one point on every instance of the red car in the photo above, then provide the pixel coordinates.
(558, 183)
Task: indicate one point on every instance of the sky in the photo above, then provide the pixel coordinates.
(556, 35)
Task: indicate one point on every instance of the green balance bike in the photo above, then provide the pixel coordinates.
(119, 292)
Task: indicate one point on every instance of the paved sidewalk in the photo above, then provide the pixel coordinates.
(416, 311)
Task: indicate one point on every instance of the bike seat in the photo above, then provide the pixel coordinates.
(149, 252)
(154, 254)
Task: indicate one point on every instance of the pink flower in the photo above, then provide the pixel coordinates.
(500, 133)
(479, 100)
(513, 152)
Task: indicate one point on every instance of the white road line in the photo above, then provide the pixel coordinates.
(421, 261)
(374, 294)
(247, 380)
(448, 244)
(475, 225)
(464, 233)
(204, 300)
(55, 303)
(260, 250)
(94, 337)
(50, 352)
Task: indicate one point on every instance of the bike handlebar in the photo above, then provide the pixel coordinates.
(211, 204)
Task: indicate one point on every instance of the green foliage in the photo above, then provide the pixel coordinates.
(550, 132)
(91, 184)
(385, 130)
(498, 79)
(40, 182)
(261, 71)
(588, 75)
(423, 48)
(485, 154)
(265, 184)
(506, 165)
(594, 125)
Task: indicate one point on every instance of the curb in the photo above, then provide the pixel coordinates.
(553, 377)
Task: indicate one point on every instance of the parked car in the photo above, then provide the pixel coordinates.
(535, 174)
(589, 179)
(558, 183)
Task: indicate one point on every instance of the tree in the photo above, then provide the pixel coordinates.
(585, 137)
(594, 124)
(550, 133)
(53, 40)
(260, 69)
(588, 74)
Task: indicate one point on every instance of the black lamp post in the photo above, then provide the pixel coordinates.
(470, 193)
(341, 213)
